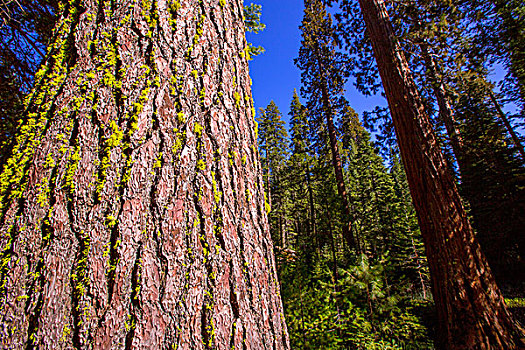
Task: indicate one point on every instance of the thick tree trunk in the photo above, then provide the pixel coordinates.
(471, 310)
(132, 209)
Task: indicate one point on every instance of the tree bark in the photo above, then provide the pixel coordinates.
(470, 307)
(132, 210)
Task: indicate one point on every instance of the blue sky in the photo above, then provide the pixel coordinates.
(273, 73)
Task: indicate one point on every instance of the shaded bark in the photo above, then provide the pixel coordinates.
(132, 210)
(470, 307)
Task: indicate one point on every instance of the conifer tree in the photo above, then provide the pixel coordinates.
(322, 80)
(371, 187)
(25, 31)
(273, 139)
(408, 241)
(132, 208)
(471, 310)
(491, 173)
(300, 163)
(499, 27)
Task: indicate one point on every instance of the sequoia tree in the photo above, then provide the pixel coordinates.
(471, 311)
(132, 207)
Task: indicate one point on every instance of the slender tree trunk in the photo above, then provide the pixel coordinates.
(303, 328)
(128, 217)
(311, 203)
(336, 158)
(508, 126)
(419, 267)
(470, 307)
(446, 112)
(332, 243)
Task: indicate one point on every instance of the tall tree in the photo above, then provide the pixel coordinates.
(471, 310)
(273, 141)
(323, 83)
(300, 165)
(132, 208)
(491, 175)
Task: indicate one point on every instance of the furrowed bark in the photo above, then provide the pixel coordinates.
(132, 210)
(470, 307)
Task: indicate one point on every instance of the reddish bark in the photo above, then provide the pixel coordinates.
(471, 310)
(132, 212)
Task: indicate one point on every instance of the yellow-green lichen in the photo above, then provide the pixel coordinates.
(198, 130)
(237, 98)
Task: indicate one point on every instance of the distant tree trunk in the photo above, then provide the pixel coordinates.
(311, 204)
(419, 268)
(446, 112)
(132, 210)
(471, 310)
(336, 158)
(332, 246)
(508, 126)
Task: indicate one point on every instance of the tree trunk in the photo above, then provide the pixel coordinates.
(336, 157)
(128, 217)
(471, 310)
(446, 112)
(508, 126)
(312, 222)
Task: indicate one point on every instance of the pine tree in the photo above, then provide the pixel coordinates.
(372, 189)
(132, 209)
(498, 28)
(407, 241)
(273, 139)
(490, 171)
(471, 311)
(323, 85)
(299, 166)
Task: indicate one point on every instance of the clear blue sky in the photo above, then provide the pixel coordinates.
(273, 73)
